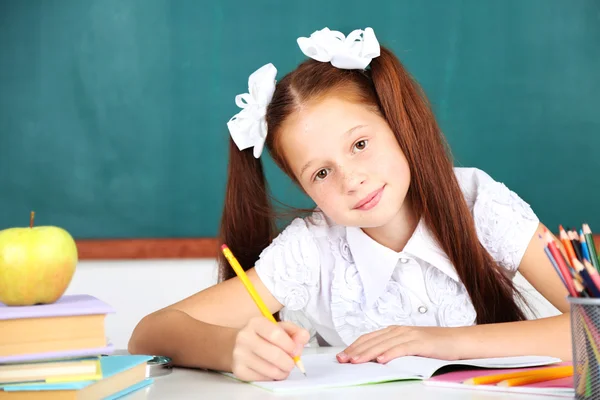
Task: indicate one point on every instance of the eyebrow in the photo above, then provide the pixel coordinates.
(347, 133)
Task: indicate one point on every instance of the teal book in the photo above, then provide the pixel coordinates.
(121, 375)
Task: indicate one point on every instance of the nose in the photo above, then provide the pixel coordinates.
(353, 180)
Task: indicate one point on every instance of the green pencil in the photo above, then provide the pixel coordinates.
(589, 239)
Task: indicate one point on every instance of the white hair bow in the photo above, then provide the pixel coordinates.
(248, 128)
(353, 52)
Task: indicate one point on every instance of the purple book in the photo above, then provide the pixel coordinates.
(58, 355)
(68, 305)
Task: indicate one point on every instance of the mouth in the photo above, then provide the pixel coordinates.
(370, 201)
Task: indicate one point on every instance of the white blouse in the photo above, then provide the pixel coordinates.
(340, 284)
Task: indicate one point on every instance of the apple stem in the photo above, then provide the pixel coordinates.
(31, 219)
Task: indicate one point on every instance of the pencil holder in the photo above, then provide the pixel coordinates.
(585, 329)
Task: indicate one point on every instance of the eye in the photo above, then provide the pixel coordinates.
(360, 146)
(321, 174)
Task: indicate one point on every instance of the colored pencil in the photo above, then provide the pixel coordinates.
(589, 239)
(585, 253)
(588, 281)
(553, 262)
(591, 271)
(489, 379)
(567, 243)
(254, 294)
(561, 264)
(563, 253)
(538, 377)
(575, 243)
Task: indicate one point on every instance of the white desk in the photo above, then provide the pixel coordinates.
(195, 384)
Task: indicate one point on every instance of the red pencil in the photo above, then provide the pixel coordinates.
(564, 269)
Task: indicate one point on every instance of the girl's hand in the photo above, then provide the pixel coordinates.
(397, 341)
(263, 351)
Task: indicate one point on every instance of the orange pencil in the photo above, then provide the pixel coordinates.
(486, 380)
(567, 243)
(542, 376)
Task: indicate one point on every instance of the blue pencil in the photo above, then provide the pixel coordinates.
(585, 253)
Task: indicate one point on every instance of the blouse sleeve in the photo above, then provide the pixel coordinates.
(504, 222)
(290, 266)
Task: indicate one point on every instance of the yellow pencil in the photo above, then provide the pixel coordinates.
(535, 378)
(254, 294)
(485, 380)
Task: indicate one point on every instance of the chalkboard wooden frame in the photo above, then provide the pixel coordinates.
(127, 249)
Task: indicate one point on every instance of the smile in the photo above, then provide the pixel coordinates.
(370, 201)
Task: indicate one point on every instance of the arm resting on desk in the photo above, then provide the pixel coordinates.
(188, 341)
(549, 336)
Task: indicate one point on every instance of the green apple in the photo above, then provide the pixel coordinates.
(36, 264)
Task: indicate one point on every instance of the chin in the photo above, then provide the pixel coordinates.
(372, 218)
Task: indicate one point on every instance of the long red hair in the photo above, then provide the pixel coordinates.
(248, 221)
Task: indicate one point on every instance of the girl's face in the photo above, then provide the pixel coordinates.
(347, 159)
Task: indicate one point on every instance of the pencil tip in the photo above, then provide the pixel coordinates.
(300, 366)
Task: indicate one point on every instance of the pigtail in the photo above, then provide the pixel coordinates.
(435, 192)
(247, 222)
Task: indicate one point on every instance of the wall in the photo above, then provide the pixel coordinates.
(137, 288)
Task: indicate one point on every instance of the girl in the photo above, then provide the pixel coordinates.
(404, 254)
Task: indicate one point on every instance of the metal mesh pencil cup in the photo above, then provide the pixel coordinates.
(585, 332)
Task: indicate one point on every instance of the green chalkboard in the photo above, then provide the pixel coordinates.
(113, 112)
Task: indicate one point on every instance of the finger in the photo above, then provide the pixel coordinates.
(409, 348)
(365, 338)
(350, 351)
(379, 348)
(276, 335)
(273, 355)
(367, 344)
(300, 336)
(247, 374)
(358, 351)
(265, 368)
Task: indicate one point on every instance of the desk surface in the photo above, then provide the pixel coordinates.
(197, 384)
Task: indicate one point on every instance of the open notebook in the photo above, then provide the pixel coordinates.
(324, 371)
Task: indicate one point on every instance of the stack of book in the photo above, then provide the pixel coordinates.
(60, 350)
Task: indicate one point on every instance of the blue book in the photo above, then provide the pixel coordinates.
(121, 375)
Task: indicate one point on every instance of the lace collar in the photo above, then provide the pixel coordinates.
(376, 263)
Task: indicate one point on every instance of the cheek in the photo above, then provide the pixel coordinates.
(395, 164)
(318, 193)
(323, 197)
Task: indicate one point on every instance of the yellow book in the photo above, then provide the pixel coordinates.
(68, 370)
